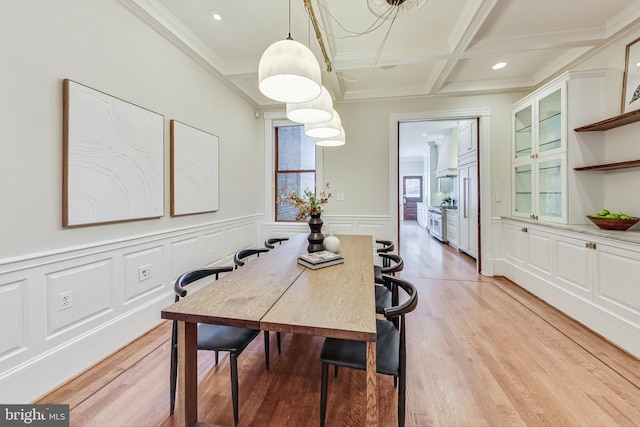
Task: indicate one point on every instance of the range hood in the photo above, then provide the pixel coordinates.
(447, 158)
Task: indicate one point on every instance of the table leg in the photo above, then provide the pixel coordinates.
(372, 394)
(187, 408)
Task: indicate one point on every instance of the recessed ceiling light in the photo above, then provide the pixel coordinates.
(499, 65)
(215, 15)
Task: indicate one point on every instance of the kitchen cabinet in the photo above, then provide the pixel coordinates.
(538, 155)
(542, 149)
(422, 215)
(584, 272)
(468, 214)
(468, 141)
(452, 227)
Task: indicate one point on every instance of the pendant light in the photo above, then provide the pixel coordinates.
(319, 110)
(288, 71)
(332, 141)
(326, 129)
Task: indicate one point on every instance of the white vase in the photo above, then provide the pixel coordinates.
(331, 243)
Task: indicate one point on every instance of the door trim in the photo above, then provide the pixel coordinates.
(484, 166)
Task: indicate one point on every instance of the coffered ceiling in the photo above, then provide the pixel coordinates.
(432, 47)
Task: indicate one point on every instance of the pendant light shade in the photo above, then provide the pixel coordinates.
(289, 72)
(332, 141)
(319, 110)
(324, 130)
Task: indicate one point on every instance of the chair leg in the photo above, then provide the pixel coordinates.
(402, 390)
(323, 393)
(266, 349)
(173, 375)
(278, 339)
(216, 357)
(233, 360)
(335, 372)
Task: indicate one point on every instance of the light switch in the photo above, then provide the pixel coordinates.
(340, 196)
(498, 197)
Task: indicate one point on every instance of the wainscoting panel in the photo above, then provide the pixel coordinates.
(142, 272)
(77, 295)
(71, 307)
(378, 226)
(184, 256)
(12, 316)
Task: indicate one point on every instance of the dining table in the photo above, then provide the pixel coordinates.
(274, 293)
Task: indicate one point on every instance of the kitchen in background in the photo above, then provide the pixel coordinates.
(436, 152)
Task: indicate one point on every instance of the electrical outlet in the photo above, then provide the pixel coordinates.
(65, 300)
(144, 272)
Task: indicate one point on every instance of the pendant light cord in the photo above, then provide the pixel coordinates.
(289, 38)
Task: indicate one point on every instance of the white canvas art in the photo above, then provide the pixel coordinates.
(113, 159)
(194, 170)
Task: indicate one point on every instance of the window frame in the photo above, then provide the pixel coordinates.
(271, 121)
(277, 171)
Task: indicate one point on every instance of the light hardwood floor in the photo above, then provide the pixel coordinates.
(481, 352)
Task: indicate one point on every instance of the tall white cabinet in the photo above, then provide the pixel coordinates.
(544, 149)
(468, 186)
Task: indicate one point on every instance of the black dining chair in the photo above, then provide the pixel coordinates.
(239, 260)
(212, 337)
(271, 242)
(241, 255)
(391, 352)
(387, 246)
(386, 293)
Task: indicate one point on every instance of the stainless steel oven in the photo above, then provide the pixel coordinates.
(437, 223)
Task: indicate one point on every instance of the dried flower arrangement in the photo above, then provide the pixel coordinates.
(309, 204)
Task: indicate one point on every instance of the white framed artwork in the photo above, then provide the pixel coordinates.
(194, 170)
(113, 159)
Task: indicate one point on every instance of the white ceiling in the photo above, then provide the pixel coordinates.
(439, 47)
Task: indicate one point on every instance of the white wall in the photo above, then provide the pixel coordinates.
(102, 44)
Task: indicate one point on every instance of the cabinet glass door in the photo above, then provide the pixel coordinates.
(523, 186)
(550, 124)
(550, 188)
(523, 137)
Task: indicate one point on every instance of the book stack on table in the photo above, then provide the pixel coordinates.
(320, 259)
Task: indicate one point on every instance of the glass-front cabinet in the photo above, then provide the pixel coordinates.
(539, 155)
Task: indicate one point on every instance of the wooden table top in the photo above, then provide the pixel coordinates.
(273, 292)
(336, 301)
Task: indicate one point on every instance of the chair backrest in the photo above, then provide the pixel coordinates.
(270, 243)
(393, 263)
(193, 275)
(406, 307)
(399, 311)
(244, 253)
(387, 246)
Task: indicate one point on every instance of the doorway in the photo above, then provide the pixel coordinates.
(411, 195)
(434, 145)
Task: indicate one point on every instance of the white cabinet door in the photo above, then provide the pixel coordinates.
(468, 209)
(468, 142)
(616, 280)
(452, 227)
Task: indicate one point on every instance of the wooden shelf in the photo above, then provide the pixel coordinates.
(612, 122)
(610, 166)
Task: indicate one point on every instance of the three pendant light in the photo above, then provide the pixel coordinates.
(289, 72)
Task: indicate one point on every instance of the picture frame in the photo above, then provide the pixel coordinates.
(113, 159)
(194, 170)
(631, 78)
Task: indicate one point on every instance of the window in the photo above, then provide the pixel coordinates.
(295, 166)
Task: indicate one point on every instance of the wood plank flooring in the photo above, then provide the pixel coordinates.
(481, 352)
